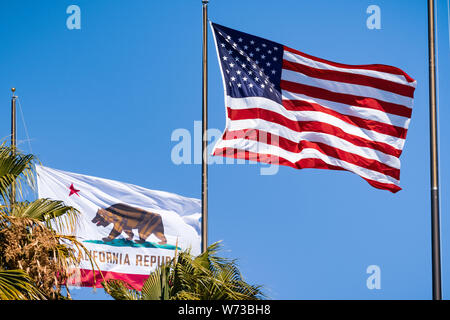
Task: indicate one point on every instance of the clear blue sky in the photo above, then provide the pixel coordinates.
(104, 101)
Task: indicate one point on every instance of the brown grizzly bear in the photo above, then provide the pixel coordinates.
(125, 218)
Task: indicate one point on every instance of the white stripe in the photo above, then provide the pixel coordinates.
(262, 148)
(345, 109)
(268, 104)
(313, 136)
(346, 88)
(324, 66)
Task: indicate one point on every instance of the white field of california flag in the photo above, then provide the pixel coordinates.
(129, 230)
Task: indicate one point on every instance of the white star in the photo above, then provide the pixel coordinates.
(240, 39)
(245, 47)
(243, 65)
(239, 85)
(275, 59)
(256, 79)
(250, 73)
(228, 71)
(254, 66)
(224, 58)
(223, 45)
(231, 65)
(230, 51)
(263, 57)
(275, 48)
(238, 72)
(257, 49)
(251, 85)
(262, 85)
(252, 42)
(234, 45)
(251, 54)
(244, 78)
(228, 37)
(273, 71)
(269, 51)
(256, 61)
(268, 64)
(264, 45)
(233, 78)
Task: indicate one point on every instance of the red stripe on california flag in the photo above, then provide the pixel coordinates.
(350, 78)
(311, 163)
(373, 67)
(311, 126)
(297, 147)
(351, 100)
(302, 105)
(87, 278)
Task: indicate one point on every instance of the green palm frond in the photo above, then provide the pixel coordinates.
(17, 285)
(157, 286)
(15, 169)
(55, 214)
(120, 290)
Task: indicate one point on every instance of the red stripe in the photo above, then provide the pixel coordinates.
(87, 278)
(294, 147)
(300, 105)
(348, 99)
(302, 164)
(373, 67)
(351, 78)
(310, 126)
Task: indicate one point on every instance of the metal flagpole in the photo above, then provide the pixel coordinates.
(435, 228)
(13, 140)
(204, 129)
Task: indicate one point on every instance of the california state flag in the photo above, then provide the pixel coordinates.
(128, 230)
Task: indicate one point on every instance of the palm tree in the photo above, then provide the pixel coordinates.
(36, 257)
(204, 277)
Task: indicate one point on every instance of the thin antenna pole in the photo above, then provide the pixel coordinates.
(435, 225)
(13, 140)
(205, 128)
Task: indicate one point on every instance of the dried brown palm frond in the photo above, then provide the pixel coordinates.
(46, 256)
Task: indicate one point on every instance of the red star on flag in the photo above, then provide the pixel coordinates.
(73, 190)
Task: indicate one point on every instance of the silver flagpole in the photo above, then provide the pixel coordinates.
(435, 227)
(204, 129)
(13, 141)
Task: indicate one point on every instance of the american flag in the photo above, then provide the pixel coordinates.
(287, 107)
